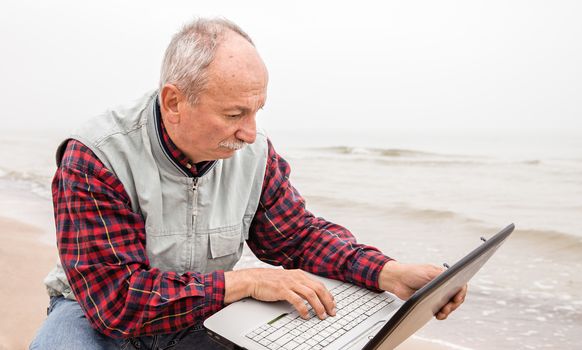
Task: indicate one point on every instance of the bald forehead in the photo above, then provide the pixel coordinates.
(236, 59)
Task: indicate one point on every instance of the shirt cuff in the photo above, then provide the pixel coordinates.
(214, 291)
(367, 267)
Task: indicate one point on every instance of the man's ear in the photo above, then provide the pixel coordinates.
(170, 98)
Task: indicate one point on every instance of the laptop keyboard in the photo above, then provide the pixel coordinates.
(291, 332)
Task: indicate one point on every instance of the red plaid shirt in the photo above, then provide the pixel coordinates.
(101, 244)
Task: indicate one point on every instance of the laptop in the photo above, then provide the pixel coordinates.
(364, 320)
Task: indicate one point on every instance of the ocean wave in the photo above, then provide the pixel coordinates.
(36, 183)
(560, 243)
(385, 152)
(429, 213)
(550, 239)
(401, 156)
(431, 162)
(16, 175)
(402, 209)
(399, 162)
(390, 156)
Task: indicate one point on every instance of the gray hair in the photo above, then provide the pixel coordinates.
(190, 53)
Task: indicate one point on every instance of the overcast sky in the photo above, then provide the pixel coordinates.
(368, 65)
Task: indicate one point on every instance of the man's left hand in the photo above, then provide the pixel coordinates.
(405, 279)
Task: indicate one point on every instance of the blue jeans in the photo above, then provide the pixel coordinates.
(67, 328)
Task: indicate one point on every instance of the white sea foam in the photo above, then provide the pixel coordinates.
(488, 312)
(442, 342)
(545, 285)
(531, 311)
(564, 308)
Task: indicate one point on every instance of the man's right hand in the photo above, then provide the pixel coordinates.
(404, 280)
(294, 286)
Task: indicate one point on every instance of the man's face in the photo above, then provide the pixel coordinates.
(225, 116)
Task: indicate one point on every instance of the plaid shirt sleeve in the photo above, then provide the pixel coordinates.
(101, 244)
(284, 232)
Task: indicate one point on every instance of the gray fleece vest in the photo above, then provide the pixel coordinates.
(192, 224)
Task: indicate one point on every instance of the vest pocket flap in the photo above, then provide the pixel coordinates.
(246, 225)
(225, 243)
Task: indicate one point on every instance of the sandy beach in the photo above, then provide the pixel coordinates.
(24, 262)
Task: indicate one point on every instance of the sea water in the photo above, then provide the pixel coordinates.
(421, 196)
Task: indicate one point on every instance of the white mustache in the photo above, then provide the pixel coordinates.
(233, 145)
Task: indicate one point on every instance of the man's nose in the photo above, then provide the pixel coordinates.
(248, 130)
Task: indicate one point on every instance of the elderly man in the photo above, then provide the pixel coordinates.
(153, 204)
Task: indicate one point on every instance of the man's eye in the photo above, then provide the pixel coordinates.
(233, 115)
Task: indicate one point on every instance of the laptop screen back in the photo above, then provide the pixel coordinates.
(427, 301)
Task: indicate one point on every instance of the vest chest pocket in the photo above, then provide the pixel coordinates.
(225, 247)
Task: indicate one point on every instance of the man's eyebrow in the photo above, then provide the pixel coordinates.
(237, 107)
(241, 108)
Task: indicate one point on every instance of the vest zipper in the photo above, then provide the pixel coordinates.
(194, 200)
